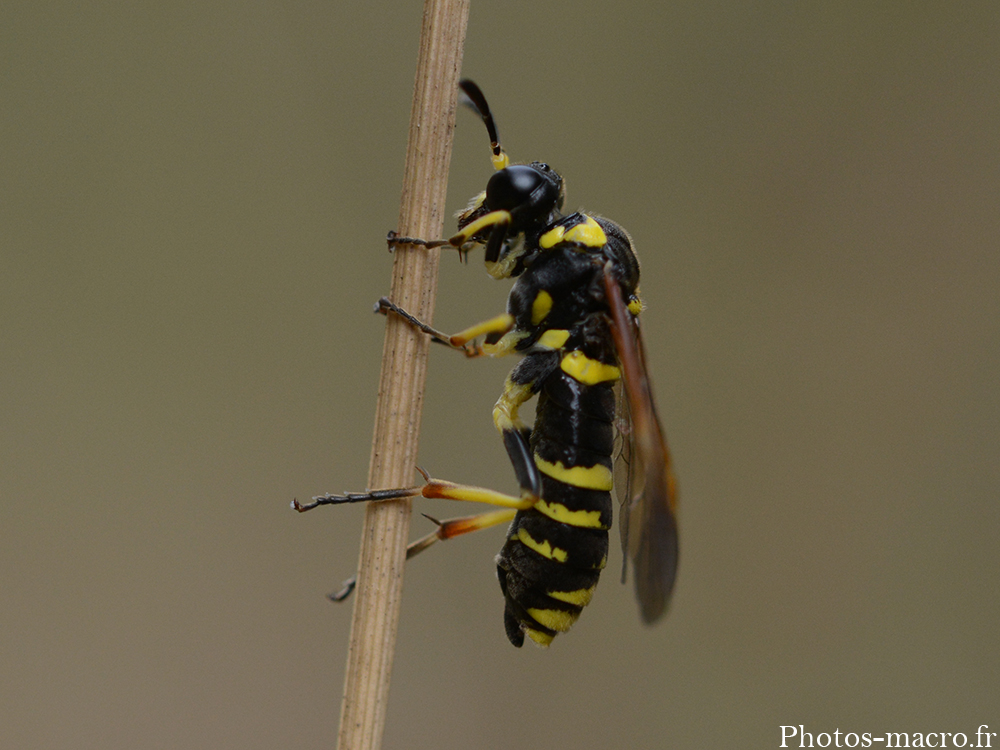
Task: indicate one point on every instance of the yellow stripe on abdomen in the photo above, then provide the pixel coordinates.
(586, 477)
(554, 619)
(544, 548)
(584, 519)
(542, 639)
(580, 597)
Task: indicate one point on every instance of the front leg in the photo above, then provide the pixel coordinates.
(394, 238)
(463, 241)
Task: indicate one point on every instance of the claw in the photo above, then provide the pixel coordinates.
(339, 596)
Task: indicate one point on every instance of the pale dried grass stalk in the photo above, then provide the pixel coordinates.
(401, 385)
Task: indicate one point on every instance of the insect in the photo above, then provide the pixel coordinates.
(573, 315)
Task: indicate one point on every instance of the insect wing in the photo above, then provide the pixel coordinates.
(649, 533)
(624, 468)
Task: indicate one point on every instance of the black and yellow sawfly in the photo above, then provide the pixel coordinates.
(573, 315)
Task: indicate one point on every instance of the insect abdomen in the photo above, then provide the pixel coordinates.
(555, 551)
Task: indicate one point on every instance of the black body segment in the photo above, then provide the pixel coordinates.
(555, 551)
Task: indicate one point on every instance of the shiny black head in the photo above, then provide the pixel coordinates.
(532, 193)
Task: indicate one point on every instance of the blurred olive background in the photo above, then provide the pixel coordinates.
(194, 201)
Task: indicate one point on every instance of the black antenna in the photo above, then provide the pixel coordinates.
(474, 98)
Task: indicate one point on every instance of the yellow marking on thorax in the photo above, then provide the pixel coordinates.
(635, 304)
(554, 338)
(580, 597)
(588, 371)
(540, 307)
(597, 477)
(545, 549)
(554, 619)
(505, 412)
(587, 233)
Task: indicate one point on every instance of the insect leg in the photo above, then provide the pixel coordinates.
(433, 488)
(487, 221)
(445, 530)
(386, 306)
(498, 328)
(357, 497)
(516, 434)
(469, 493)
(393, 238)
(521, 385)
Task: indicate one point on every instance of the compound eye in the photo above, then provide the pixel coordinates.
(512, 187)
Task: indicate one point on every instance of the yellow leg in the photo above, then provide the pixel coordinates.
(501, 325)
(484, 222)
(466, 525)
(468, 493)
(445, 530)
(433, 488)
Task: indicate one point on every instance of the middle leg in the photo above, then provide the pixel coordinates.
(499, 332)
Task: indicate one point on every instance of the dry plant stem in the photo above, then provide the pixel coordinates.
(401, 386)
